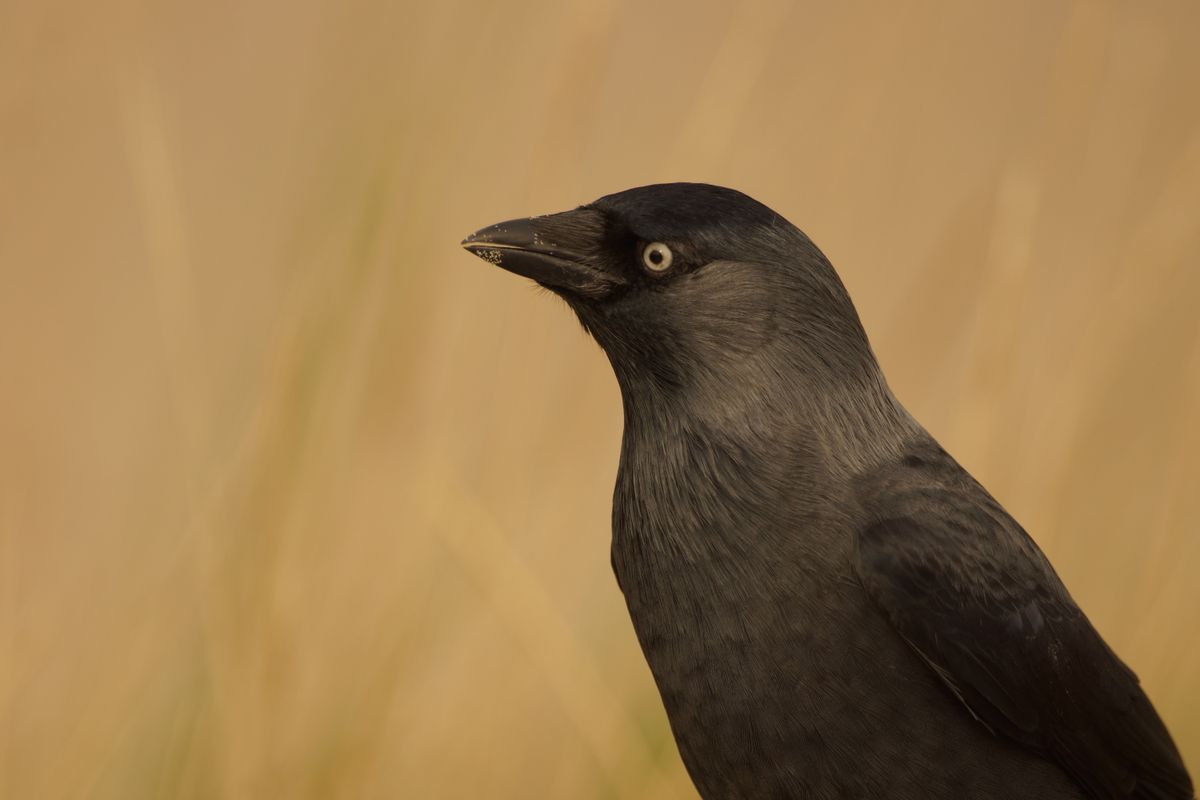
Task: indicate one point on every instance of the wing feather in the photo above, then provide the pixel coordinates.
(974, 596)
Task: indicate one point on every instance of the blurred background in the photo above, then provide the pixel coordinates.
(300, 500)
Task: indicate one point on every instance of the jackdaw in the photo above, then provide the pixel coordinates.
(831, 606)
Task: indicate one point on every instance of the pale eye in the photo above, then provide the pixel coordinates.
(657, 257)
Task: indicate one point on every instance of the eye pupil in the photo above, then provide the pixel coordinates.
(656, 256)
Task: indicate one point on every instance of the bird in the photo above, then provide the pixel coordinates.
(831, 606)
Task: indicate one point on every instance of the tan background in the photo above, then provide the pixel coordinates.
(299, 500)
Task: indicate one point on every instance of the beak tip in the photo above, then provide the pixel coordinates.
(487, 243)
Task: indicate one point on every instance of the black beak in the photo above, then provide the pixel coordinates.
(560, 251)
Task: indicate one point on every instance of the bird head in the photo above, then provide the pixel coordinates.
(688, 286)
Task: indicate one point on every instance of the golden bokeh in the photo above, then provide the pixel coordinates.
(300, 500)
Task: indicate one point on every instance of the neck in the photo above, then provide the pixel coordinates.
(768, 375)
(849, 423)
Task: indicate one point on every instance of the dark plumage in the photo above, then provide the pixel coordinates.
(831, 606)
